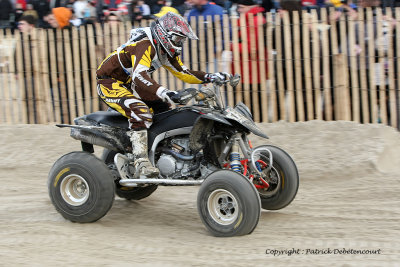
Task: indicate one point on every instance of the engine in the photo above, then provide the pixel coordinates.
(176, 161)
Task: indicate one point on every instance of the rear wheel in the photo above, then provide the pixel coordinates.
(228, 204)
(80, 187)
(129, 193)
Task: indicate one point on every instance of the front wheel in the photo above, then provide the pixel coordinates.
(228, 204)
(80, 187)
(283, 179)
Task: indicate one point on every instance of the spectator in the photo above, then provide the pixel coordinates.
(134, 12)
(247, 7)
(42, 8)
(79, 7)
(180, 6)
(144, 8)
(165, 9)
(268, 5)
(5, 11)
(30, 11)
(156, 7)
(59, 17)
(55, 3)
(113, 18)
(204, 8)
(22, 4)
(19, 11)
(26, 24)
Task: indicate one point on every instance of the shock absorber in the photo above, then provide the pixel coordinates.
(234, 157)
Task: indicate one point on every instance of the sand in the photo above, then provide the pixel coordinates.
(347, 206)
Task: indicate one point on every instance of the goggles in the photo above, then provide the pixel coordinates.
(177, 40)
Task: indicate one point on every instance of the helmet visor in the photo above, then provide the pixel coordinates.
(178, 40)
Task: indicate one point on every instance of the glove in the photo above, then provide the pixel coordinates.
(218, 77)
(166, 95)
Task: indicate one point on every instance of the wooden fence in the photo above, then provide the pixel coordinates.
(297, 68)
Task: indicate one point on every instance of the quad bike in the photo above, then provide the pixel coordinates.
(205, 143)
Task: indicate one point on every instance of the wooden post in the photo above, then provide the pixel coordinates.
(363, 67)
(307, 65)
(92, 70)
(391, 75)
(202, 44)
(77, 71)
(28, 78)
(41, 116)
(354, 71)
(227, 47)
(218, 50)
(85, 69)
(254, 69)
(382, 78)
(100, 54)
(279, 63)
(245, 59)
(326, 67)
(271, 69)
(341, 92)
(371, 61)
(345, 94)
(47, 107)
(236, 58)
(316, 69)
(291, 106)
(61, 76)
(194, 46)
(298, 67)
(210, 45)
(398, 68)
(13, 87)
(261, 67)
(6, 103)
(54, 76)
(69, 76)
(107, 39)
(22, 98)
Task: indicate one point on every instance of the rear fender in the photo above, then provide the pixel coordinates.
(108, 137)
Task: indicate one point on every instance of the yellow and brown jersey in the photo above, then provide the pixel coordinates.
(139, 59)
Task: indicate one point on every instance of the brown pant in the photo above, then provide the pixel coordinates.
(117, 95)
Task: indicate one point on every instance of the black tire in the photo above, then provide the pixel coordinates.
(80, 187)
(282, 192)
(228, 204)
(129, 193)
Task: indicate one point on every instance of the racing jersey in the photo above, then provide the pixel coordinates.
(134, 61)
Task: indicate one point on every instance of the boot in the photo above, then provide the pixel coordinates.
(142, 165)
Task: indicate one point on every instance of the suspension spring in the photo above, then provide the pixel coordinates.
(235, 162)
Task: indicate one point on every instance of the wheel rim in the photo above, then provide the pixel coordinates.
(223, 207)
(275, 181)
(74, 190)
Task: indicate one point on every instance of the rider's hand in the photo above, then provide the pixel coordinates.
(166, 95)
(219, 77)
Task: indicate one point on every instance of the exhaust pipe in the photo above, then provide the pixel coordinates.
(95, 139)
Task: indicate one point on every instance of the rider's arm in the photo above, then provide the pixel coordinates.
(142, 55)
(176, 67)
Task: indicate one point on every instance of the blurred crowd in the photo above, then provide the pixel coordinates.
(26, 14)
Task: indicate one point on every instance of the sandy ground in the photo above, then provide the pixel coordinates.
(348, 199)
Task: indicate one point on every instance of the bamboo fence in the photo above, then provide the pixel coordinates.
(294, 68)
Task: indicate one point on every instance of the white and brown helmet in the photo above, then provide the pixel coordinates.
(170, 32)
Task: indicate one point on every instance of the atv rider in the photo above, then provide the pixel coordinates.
(124, 82)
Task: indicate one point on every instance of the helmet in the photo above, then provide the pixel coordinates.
(170, 32)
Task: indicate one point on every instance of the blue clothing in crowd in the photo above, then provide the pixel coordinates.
(206, 10)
